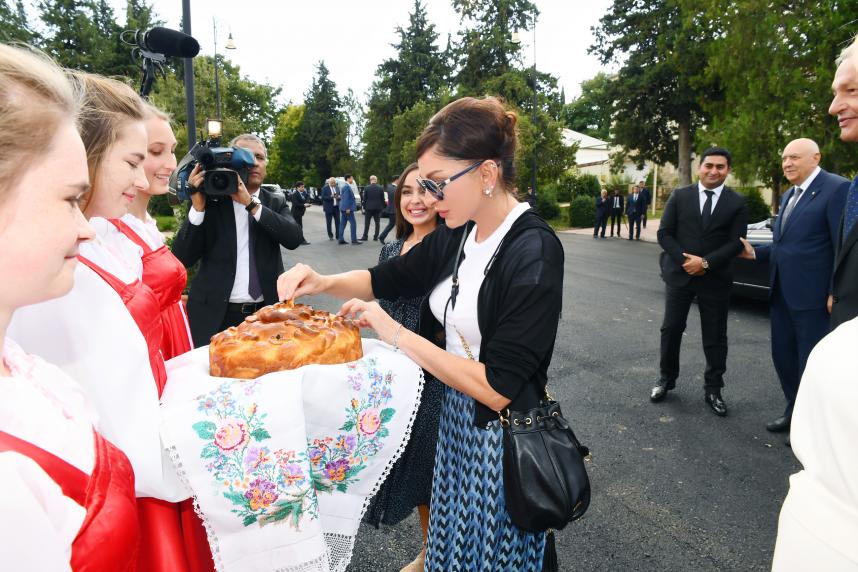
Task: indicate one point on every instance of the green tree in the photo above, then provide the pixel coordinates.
(590, 113)
(419, 72)
(486, 48)
(762, 111)
(284, 164)
(14, 25)
(324, 129)
(660, 86)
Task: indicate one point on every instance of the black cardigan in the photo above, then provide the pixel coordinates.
(518, 307)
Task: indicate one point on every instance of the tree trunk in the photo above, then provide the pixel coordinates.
(776, 191)
(684, 164)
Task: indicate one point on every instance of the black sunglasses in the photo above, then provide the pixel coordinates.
(437, 189)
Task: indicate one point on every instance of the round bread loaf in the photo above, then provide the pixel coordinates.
(280, 337)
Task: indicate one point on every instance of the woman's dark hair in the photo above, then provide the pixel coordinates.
(471, 129)
(403, 227)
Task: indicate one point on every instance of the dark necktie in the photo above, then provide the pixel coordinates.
(253, 286)
(850, 215)
(796, 194)
(707, 208)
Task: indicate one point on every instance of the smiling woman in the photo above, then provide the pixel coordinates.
(108, 331)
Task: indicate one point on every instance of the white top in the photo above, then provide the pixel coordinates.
(92, 337)
(701, 191)
(239, 292)
(42, 405)
(147, 230)
(463, 319)
(823, 497)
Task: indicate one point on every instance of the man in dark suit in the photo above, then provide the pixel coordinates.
(844, 106)
(389, 210)
(237, 242)
(348, 204)
(330, 206)
(699, 235)
(373, 204)
(617, 204)
(299, 207)
(602, 206)
(647, 200)
(801, 259)
(635, 210)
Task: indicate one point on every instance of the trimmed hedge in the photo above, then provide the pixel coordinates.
(546, 202)
(582, 212)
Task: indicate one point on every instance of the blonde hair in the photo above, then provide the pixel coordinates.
(108, 106)
(850, 52)
(35, 99)
(156, 112)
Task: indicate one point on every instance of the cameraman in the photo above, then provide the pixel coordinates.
(238, 245)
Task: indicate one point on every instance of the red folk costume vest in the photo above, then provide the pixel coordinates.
(166, 276)
(108, 538)
(144, 308)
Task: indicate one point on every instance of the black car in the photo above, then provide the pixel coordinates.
(751, 278)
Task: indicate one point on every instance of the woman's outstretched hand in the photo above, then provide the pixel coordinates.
(300, 280)
(370, 315)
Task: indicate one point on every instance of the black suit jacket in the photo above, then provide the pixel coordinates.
(681, 230)
(622, 206)
(373, 198)
(213, 244)
(845, 281)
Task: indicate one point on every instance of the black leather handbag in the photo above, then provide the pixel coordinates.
(545, 481)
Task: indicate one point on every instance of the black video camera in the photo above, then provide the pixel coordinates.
(223, 167)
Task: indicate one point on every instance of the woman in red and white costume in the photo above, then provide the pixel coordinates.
(107, 331)
(66, 493)
(162, 271)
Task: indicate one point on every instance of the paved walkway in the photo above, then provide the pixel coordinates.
(648, 234)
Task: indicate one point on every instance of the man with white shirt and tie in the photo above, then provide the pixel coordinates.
(635, 209)
(801, 261)
(237, 243)
(699, 234)
(617, 203)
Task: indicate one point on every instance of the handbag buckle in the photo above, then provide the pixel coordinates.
(504, 421)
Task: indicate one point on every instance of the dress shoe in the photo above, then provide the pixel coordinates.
(342, 242)
(305, 243)
(779, 425)
(356, 242)
(375, 238)
(659, 392)
(330, 238)
(363, 239)
(716, 404)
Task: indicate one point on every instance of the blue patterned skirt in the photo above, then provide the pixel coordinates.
(469, 528)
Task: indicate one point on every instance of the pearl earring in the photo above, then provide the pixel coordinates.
(488, 191)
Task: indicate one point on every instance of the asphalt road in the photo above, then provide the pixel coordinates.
(674, 486)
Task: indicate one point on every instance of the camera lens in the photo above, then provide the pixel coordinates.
(220, 181)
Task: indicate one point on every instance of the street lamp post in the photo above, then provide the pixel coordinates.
(230, 45)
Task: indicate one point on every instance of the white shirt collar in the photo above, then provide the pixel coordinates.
(717, 190)
(809, 180)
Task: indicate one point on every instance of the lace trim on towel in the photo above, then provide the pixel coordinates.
(341, 546)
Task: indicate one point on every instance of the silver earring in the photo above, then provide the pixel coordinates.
(488, 191)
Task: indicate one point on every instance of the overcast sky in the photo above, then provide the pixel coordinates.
(280, 42)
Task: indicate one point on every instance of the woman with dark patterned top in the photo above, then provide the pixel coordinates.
(409, 483)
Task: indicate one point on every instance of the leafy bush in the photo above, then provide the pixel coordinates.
(546, 202)
(167, 223)
(160, 205)
(582, 212)
(758, 210)
(573, 185)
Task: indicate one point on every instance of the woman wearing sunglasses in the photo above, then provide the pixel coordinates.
(488, 335)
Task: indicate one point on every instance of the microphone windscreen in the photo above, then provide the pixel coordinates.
(170, 43)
